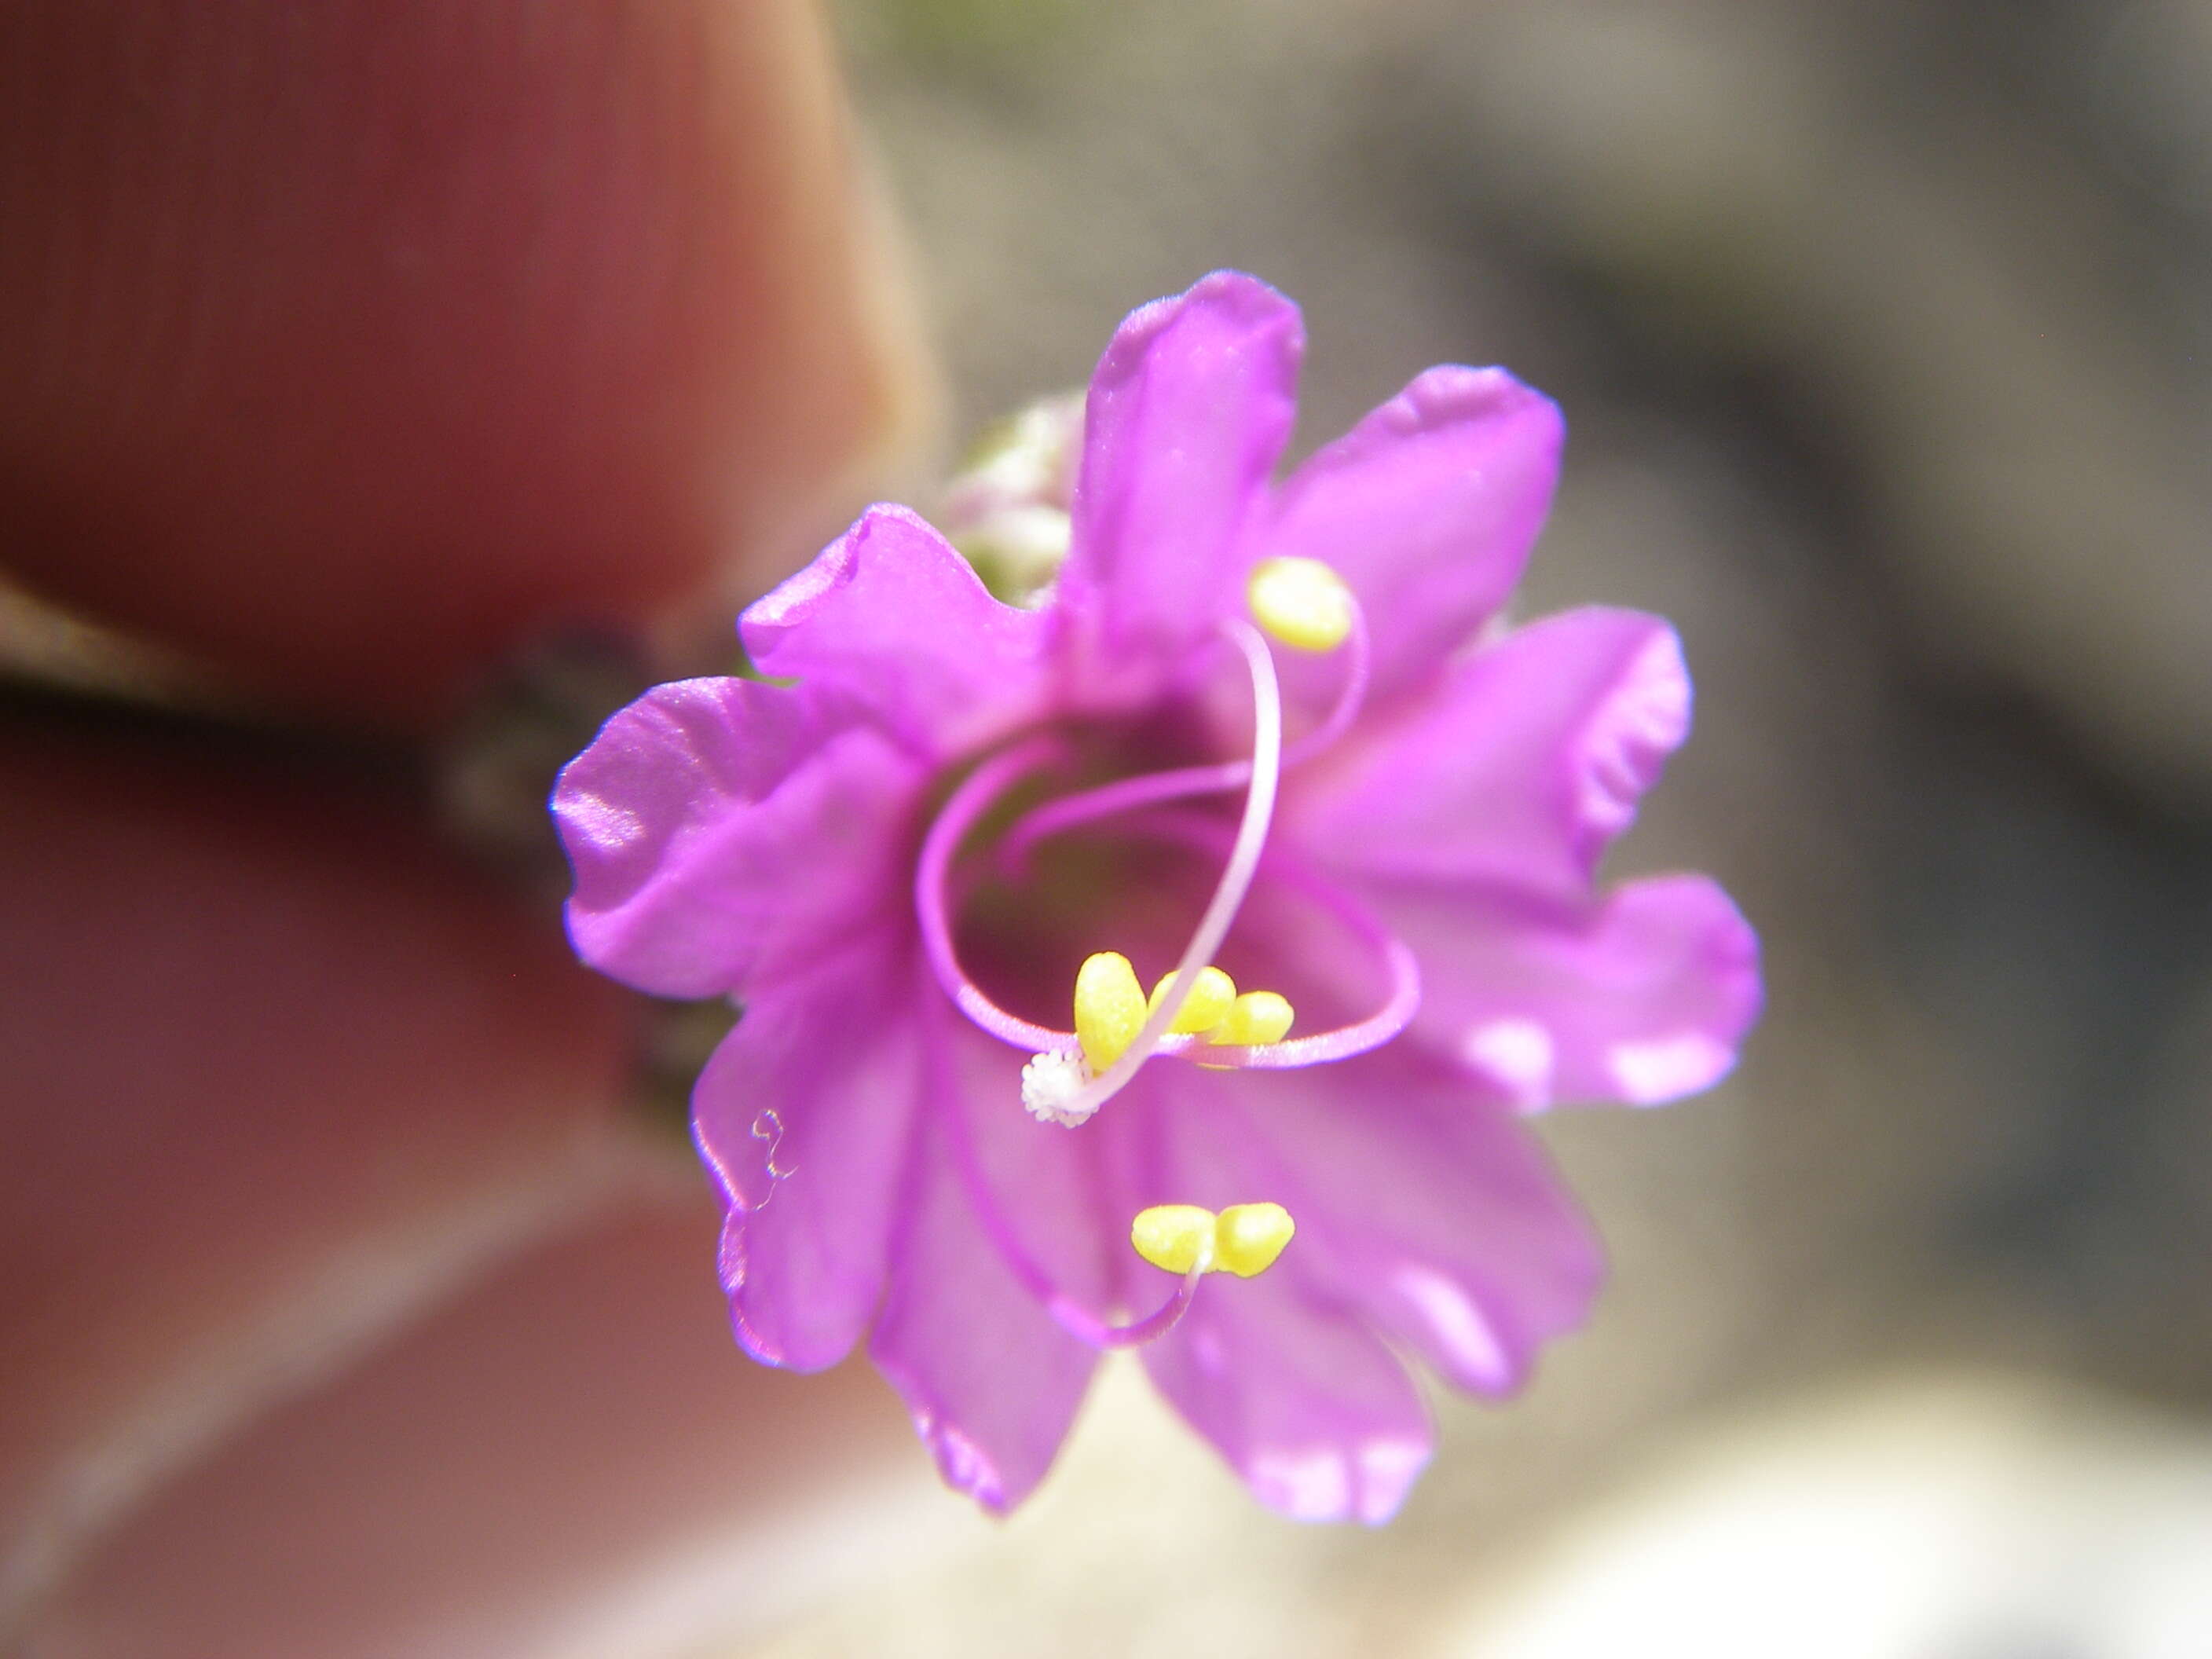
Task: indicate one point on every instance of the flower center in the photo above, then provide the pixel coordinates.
(1195, 1011)
(1103, 995)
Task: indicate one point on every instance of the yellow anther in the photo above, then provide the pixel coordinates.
(1244, 1239)
(1248, 1237)
(1206, 1007)
(1110, 1007)
(1175, 1238)
(1255, 1017)
(1302, 602)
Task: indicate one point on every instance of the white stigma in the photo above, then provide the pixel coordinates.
(1050, 1081)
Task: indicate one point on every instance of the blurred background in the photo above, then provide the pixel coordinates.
(1884, 333)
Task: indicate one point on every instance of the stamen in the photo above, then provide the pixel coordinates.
(967, 804)
(1207, 1005)
(1244, 1239)
(1255, 1017)
(1110, 1008)
(1249, 1236)
(1070, 1315)
(1300, 602)
(1177, 1238)
(1153, 788)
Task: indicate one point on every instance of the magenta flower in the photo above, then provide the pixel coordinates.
(900, 860)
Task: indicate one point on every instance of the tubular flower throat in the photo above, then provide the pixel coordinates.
(1212, 901)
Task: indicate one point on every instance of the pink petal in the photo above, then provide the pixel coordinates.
(1281, 1376)
(891, 618)
(991, 1381)
(804, 1117)
(1428, 1208)
(1314, 1413)
(1280, 1372)
(1189, 412)
(720, 827)
(1641, 997)
(1527, 760)
(1428, 508)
